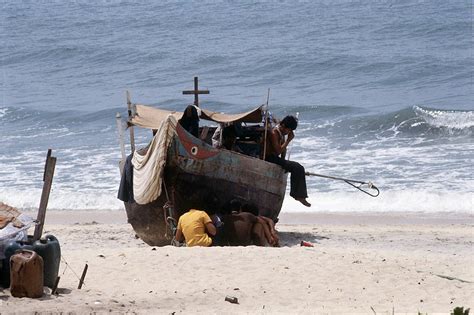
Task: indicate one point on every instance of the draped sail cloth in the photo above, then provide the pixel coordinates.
(148, 168)
(150, 117)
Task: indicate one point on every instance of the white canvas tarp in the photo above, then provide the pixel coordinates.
(150, 117)
(148, 168)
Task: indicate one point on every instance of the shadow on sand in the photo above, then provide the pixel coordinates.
(5, 294)
(295, 238)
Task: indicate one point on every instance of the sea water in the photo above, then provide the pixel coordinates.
(383, 89)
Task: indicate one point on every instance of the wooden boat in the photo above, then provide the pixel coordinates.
(197, 175)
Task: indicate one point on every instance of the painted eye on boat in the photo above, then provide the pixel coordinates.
(194, 150)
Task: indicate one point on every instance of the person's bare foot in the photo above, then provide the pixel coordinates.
(303, 201)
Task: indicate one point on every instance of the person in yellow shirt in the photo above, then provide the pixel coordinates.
(196, 228)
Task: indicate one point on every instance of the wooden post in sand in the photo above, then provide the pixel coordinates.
(130, 115)
(48, 180)
(81, 281)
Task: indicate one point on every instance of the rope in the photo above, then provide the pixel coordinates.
(266, 127)
(352, 182)
(68, 266)
(168, 216)
(165, 207)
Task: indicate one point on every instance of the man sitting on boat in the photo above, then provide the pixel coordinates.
(275, 153)
(196, 228)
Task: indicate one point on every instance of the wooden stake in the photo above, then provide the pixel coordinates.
(48, 180)
(82, 277)
(55, 286)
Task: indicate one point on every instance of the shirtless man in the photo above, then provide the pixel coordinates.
(263, 229)
(275, 153)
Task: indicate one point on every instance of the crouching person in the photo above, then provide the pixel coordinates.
(263, 230)
(196, 228)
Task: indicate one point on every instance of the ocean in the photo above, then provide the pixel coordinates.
(383, 90)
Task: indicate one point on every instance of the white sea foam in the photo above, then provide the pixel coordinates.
(446, 118)
(387, 201)
(395, 166)
(3, 112)
(61, 199)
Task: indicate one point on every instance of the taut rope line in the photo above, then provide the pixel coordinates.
(352, 182)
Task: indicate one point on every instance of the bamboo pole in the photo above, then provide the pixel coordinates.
(48, 180)
(120, 133)
(130, 116)
(121, 141)
(266, 128)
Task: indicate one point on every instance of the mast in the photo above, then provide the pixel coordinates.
(196, 92)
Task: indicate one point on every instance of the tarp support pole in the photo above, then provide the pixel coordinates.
(130, 116)
(121, 140)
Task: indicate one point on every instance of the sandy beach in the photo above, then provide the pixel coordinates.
(360, 263)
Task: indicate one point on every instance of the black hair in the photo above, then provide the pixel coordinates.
(234, 205)
(249, 207)
(290, 122)
(190, 120)
(230, 206)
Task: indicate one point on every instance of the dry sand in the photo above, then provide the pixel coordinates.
(365, 263)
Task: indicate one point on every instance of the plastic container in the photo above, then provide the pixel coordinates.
(10, 248)
(47, 247)
(26, 275)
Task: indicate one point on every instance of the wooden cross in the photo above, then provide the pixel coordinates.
(196, 92)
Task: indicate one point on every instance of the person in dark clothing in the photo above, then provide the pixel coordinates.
(190, 120)
(275, 153)
(125, 192)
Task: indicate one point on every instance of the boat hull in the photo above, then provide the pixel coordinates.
(201, 177)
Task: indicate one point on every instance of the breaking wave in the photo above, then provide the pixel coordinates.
(412, 122)
(446, 118)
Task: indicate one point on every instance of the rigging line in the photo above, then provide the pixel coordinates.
(351, 182)
(68, 266)
(364, 191)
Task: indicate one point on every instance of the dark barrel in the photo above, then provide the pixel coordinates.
(48, 248)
